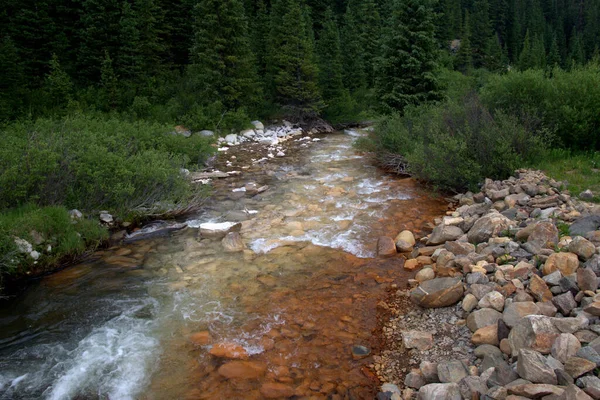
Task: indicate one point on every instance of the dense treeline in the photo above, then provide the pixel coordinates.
(209, 62)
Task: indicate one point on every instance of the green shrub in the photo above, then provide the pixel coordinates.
(566, 102)
(93, 163)
(455, 145)
(62, 237)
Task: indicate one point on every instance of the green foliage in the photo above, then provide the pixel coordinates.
(455, 145)
(94, 163)
(224, 68)
(62, 237)
(406, 72)
(58, 85)
(566, 103)
(464, 56)
(292, 62)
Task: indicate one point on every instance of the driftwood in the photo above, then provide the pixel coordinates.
(196, 176)
(394, 163)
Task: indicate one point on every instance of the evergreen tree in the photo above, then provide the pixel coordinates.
(464, 56)
(176, 33)
(99, 32)
(223, 66)
(330, 59)
(406, 69)
(533, 55)
(495, 58)
(370, 23)
(553, 59)
(576, 50)
(109, 84)
(292, 65)
(11, 84)
(481, 31)
(58, 85)
(499, 18)
(355, 74)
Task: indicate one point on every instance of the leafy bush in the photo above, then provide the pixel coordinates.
(455, 145)
(61, 237)
(565, 102)
(93, 163)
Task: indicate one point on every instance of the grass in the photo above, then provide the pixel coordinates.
(61, 238)
(581, 171)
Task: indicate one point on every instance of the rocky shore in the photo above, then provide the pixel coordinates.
(505, 301)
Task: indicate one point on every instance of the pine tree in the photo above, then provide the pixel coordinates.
(370, 23)
(330, 59)
(58, 85)
(406, 69)
(464, 56)
(11, 84)
(495, 58)
(109, 84)
(554, 59)
(481, 31)
(100, 32)
(223, 68)
(576, 50)
(355, 74)
(533, 55)
(292, 66)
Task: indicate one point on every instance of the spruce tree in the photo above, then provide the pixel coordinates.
(533, 55)
(58, 85)
(292, 66)
(407, 68)
(554, 59)
(464, 56)
(480, 31)
(576, 50)
(495, 59)
(355, 73)
(223, 68)
(11, 84)
(330, 59)
(109, 84)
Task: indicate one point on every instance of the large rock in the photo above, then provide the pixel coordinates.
(513, 312)
(584, 225)
(539, 289)
(417, 340)
(273, 390)
(544, 234)
(493, 300)
(451, 371)
(232, 243)
(486, 335)
(487, 226)
(242, 370)
(439, 391)
(229, 350)
(535, 368)
(405, 241)
(582, 247)
(565, 346)
(535, 390)
(536, 332)
(577, 366)
(481, 318)
(472, 387)
(386, 246)
(566, 263)
(444, 233)
(438, 292)
(587, 279)
(564, 303)
(218, 230)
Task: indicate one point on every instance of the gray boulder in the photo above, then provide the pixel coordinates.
(438, 292)
(534, 367)
(439, 391)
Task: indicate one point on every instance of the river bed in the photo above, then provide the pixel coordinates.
(296, 300)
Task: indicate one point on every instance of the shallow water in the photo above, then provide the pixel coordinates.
(297, 299)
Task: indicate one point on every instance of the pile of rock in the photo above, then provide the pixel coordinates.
(521, 259)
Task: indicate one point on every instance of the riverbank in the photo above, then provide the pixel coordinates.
(506, 297)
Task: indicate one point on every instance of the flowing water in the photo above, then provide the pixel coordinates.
(296, 301)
